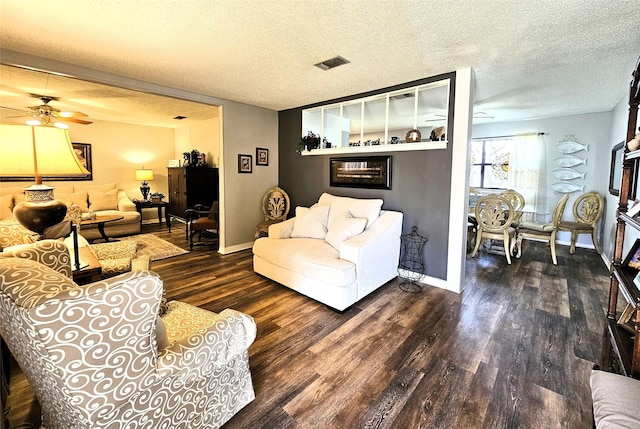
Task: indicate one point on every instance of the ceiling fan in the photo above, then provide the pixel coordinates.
(49, 114)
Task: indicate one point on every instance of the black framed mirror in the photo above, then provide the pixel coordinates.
(615, 174)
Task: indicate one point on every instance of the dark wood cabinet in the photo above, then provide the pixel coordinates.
(189, 186)
(621, 345)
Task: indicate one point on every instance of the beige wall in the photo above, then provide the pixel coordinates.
(120, 149)
(201, 135)
(244, 129)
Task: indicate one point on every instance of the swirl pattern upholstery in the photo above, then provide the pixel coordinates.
(52, 253)
(119, 257)
(12, 233)
(91, 353)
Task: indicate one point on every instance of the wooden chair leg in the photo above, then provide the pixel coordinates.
(478, 241)
(574, 238)
(595, 241)
(552, 244)
(507, 248)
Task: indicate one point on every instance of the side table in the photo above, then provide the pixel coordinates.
(91, 270)
(150, 204)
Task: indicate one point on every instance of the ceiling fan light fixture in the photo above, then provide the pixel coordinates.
(33, 122)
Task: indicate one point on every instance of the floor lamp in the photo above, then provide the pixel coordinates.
(28, 151)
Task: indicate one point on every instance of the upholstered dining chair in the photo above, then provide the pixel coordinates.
(200, 219)
(101, 356)
(275, 207)
(517, 202)
(543, 231)
(494, 215)
(587, 211)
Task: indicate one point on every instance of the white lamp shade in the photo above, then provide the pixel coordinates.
(54, 154)
(144, 175)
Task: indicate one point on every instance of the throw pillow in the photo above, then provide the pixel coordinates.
(103, 200)
(312, 224)
(6, 204)
(343, 229)
(355, 207)
(77, 198)
(113, 267)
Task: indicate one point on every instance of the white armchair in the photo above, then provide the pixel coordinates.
(336, 252)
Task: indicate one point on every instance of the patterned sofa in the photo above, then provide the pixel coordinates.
(104, 199)
(99, 356)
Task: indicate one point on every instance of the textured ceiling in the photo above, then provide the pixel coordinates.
(532, 59)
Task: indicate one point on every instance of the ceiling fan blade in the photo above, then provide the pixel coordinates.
(75, 120)
(72, 115)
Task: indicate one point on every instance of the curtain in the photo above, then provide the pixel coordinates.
(527, 172)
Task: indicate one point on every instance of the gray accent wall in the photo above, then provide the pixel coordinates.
(420, 183)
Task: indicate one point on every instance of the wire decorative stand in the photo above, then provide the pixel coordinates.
(411, 268)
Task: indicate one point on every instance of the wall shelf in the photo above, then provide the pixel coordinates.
(401, 147)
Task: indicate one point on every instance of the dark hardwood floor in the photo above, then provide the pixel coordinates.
(514, 350)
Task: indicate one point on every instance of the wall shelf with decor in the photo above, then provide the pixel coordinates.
(407, 119)
(378, 148)
(621, 346)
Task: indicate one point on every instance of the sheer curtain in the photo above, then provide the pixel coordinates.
(527, 172)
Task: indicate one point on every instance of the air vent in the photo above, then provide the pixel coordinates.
(332, 63)
(180, 117)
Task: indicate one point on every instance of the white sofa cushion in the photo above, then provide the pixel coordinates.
(343, 229)
(310, 257)
(311, 222)
(342, 207)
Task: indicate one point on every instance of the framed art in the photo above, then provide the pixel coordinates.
(625, 318)
(262, 156)
(633, 257)
(245, 162)
(83, 152)
(373, 172)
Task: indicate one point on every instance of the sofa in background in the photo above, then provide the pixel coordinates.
(337, 251)
(106, 355)
(104, 199)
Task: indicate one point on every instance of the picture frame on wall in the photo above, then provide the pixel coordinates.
(262, 156)
(245, 163)
(372, 172)
(633, 257)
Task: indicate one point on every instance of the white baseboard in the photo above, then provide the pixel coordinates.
(236, 248)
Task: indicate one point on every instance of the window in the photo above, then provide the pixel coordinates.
(490, 163)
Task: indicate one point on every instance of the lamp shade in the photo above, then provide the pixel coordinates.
(29, 151)
(144, 175)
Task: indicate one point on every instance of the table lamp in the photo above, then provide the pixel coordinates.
(144, 175)
(32, 151)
